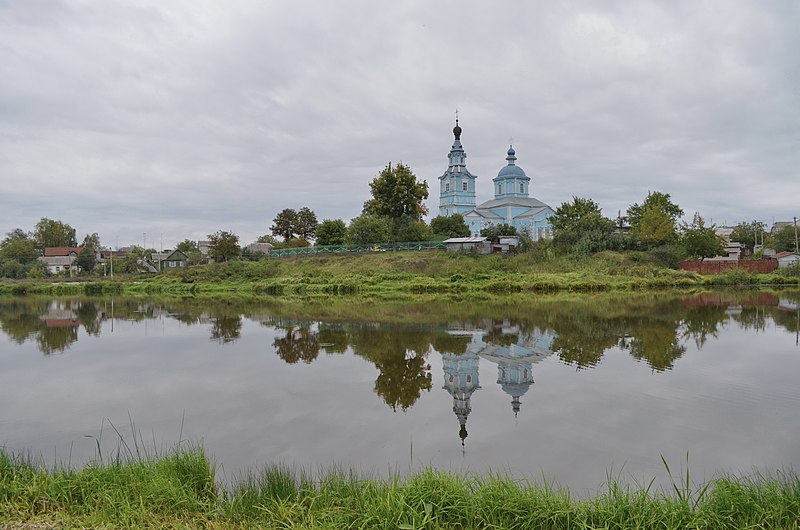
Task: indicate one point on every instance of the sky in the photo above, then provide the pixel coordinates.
(151, 122)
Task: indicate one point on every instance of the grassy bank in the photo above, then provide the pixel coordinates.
(386, 275)
(178, 490)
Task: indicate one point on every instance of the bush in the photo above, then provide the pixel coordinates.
(669, 255)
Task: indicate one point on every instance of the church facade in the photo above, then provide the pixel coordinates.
(512, 204)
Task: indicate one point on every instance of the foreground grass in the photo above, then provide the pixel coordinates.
(387, 275)
(177, 490)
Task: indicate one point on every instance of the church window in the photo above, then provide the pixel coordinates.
(526, 373)
(469, 378)
(499, 189)
(521, 187)
(465, 186)
(446, 186)
(451, 378)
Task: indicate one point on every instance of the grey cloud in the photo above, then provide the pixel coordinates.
(189, 117)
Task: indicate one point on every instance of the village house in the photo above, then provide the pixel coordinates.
(58, 259)
(787, 259)
(169, 259)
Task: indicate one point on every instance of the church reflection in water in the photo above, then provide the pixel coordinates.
(512, 350)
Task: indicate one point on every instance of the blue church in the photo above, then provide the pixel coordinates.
(512, 203)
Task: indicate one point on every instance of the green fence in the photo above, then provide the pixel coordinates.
(357, 249)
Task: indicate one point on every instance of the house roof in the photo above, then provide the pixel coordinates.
(472, 239)
(61, 251)
(784, 254)
(176, 255)
(56, 261)
(528, 202)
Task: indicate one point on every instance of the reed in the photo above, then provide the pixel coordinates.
(177, 490)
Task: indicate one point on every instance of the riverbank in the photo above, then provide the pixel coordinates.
(405, 274)
(178, 490)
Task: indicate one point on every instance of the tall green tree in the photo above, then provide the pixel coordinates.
(19, 246)
(700, 241)
(305, 224)
(284, 224)
(291, 224)
(655, 221)
(50, 233)
(396, 195)
(223, 246)
(654, 200)
(581, 221)
(749, 234)
(331, 232)
(87, 259)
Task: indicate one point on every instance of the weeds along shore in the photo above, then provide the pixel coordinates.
(178, 489)
(385, 275)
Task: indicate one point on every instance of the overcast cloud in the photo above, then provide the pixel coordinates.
(179, 118)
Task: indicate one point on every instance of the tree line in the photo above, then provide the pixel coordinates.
(395, 213)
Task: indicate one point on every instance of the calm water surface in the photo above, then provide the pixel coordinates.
(570, 389)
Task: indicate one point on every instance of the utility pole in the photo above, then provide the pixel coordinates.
(795, 235)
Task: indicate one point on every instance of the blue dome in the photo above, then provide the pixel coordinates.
(512, 170)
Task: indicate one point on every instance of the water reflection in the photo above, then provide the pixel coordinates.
(399, 338)
(507, 345)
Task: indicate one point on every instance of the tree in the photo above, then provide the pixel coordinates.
(367, 229)
(699, 241)
(654, 228)
(305, 224)
(654, 222)
(331, 232)
(18, 246)
(50, 233)
(581, 221)
(87, 259)
(783, 240)
(452, 226)
(290, 224)
(657, 200)
(396, 195)
(223, 245)
(192, 251)
(284, 224)
(749, 234)
(412, 231)
(495, 232)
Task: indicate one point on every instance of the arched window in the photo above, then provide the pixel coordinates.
(521, 187)
(446, 186)
(465, 185)
(469, 378)
(499, 189)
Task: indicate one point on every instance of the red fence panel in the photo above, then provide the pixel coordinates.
(762, 266)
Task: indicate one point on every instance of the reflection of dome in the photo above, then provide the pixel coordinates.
(516, 390)
(463, 433)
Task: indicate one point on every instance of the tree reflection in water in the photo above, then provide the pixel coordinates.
(226, 328)
(653, 328)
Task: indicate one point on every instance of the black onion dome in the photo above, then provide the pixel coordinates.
(457, 131)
